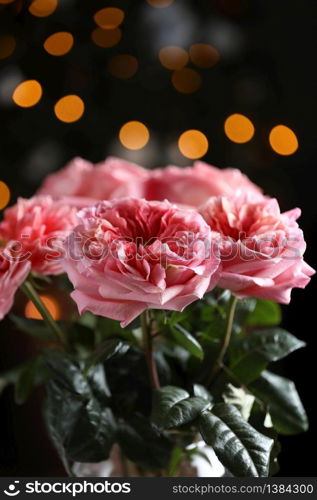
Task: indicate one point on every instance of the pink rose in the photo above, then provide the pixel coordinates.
(261, 249)
(192, 186)
(129, 255)
(12, 274)
(113, 178)
(36, 229)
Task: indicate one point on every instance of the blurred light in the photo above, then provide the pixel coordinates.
(173, 57)
(27, 94)
(50, 303)
(69, 108)
(59, 44)
(43, 8)
(109, 18)
(186, 80)
(134, 135)
(283, 140)
(204, 55)
(193, 144)
(160, 3)
(123, 66)
(106, 38)
(239, 128)
(6, 1)
(7, 46)
(4, 195)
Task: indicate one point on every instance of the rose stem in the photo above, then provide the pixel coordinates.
(30, 292)
(226, 339)
(148, 347)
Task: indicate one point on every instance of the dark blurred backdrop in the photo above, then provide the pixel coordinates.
(261, 64)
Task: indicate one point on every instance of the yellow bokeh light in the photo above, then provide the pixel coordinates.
(4, 195)
(160, 3)
(193, 144)
(186, 80)
(106, 38)
(173, 57)
(204, 55)
(123, 66)
(50, 303)
(7, 46)
(69, 109)
(43, 8)
(109, 18)
(134, 135)
(283, 140)
(239, 128)
(27, 94)
(59, 43)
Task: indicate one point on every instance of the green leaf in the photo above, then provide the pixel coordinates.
(284, 404)
(36, 328)
(108, 349)
(173, 406)
(241, 449)
(202, 392)
(266, 313)
(250, 354)
(187, 341)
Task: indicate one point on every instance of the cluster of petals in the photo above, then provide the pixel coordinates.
(129, 255)
(261, 248)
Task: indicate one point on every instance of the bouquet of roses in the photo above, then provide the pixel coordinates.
(177, 274)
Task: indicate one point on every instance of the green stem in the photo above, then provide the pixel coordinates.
(148, 348)
(226, 339)
(30, 292)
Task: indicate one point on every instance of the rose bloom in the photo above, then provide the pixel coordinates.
(129, 255)
(36, 229)
(113, 178)
(12, 274)
(261, 248)
(192, 186)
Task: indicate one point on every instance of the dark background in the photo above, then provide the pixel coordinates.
(266, 71)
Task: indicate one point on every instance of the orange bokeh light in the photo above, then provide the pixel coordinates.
(204, 55)
(59, 43)
(186, 80)
(50, 303)
(4, 195)
(69, 109)
(123, 66)
(134, 135)
(193, 144)
(160, 3)
(239, 128)
(7, 46)
(173, 57)
(27, 93)
(43, 8)
(283, 140)
(109, 18)
(106, 38)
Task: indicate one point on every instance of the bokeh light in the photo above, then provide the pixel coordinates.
(109, 18)
(69, 108)
(173, 57)
(193, 144)
(186, 80)
(134, 135)
(160, 3)
(239, 128)
(50, 303)
(123, 66)
(7, 46)
(106, 38)
(43, 8)
(283, 140)
(6, 1)
(4, 195)
(59, 43)
(27, 93)
(204, 55)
